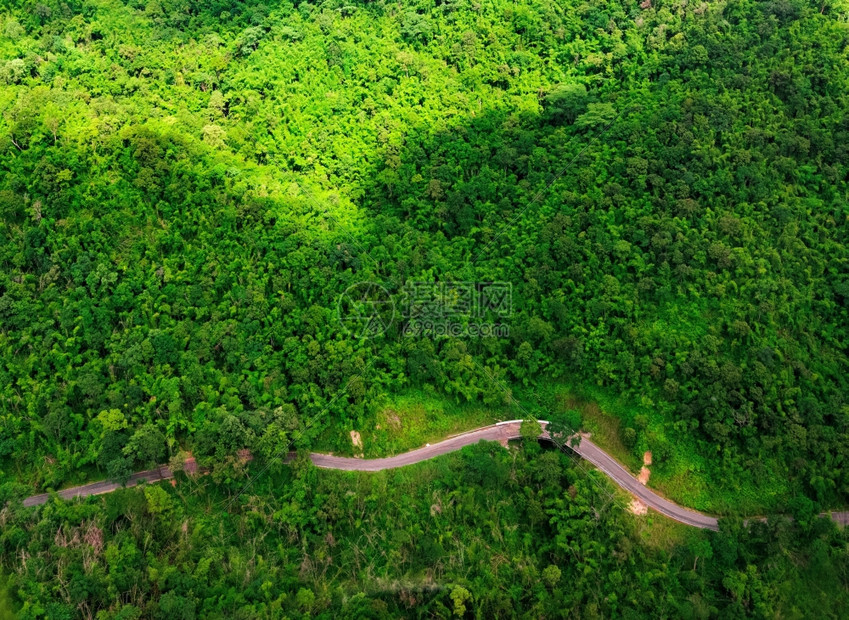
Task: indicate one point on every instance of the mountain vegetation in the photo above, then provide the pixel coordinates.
(187, 187)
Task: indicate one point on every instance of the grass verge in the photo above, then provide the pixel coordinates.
(409, 421)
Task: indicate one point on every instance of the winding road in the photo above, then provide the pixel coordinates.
(502, 431)
(510, 430)
(104, 486)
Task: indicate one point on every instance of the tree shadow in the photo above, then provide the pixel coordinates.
(628, 225)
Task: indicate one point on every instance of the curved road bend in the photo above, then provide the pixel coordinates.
(497, 432)
(510, 430)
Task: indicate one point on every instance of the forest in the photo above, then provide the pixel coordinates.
(187, 187)
(486, 533)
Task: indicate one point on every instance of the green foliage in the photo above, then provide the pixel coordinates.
(186, 188)
(566, 102)
(551, 575)
(460, 596)
(435, 541)
(630, 437)
(181, 263)
(147, 445)
(157, 499)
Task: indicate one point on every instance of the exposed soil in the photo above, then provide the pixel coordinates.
(357, 441)
(637, 507)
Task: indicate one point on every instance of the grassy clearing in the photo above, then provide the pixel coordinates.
(659, 532)
(411, 420)
(680, 471)
(654, 530)
(605, 429)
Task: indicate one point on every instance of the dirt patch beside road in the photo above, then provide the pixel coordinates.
(638, 508)
(357, 441)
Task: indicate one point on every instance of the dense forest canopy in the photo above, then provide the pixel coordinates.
(186, 187)
(482, 534)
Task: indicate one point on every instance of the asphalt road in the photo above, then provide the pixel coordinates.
(510, 430)
(105, 486)
(502, 431)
